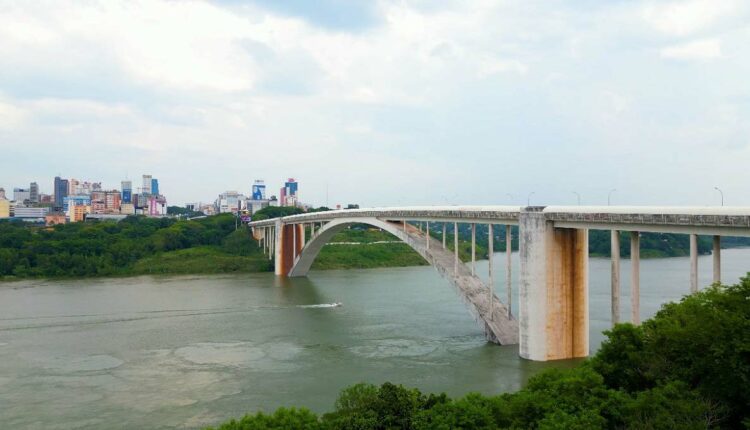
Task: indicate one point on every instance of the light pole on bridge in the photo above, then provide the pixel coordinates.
(528, 198)
(578, 196)
(609, 196)
(722, 194)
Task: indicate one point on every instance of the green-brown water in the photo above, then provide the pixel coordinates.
(195, 350)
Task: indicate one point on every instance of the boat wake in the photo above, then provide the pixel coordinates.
(322, 305)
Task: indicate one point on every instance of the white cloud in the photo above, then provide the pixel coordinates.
(702, 50)
(201, 94)
(681, 18)
(11, 116)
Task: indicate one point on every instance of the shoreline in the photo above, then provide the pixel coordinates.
(11, 280)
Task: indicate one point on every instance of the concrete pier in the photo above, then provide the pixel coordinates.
(444, 233)
(427, 235)
(508, 278)
(635, 277)
(473, 249)
(490, 252)
(455, 248)
(553, 320)
(717, 259)
(693, 263)
(615, 280)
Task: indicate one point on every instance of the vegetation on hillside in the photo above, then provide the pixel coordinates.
(135, 245)
(686, 368)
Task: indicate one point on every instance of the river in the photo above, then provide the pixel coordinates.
(190, 351)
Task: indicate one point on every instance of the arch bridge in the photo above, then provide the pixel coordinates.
(553, 320)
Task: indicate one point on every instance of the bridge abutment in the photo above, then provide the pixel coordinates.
(554, 321)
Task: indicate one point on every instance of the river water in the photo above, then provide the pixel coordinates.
(191, 351)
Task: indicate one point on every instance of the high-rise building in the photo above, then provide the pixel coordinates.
(127, 191)
(34, 192)
(259, 190)
(61, 191)
(76, 200)
(289, 194)
(2, 194)
(146, 184)
(21, 195)
(229, 201)
(112, 201)
(155, 186)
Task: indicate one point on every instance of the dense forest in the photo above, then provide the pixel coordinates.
(688, 367)
(134, 245)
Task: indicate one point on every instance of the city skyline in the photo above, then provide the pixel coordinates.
(462, 103)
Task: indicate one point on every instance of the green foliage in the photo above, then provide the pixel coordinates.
(686, 368)
(703, 341)
(276, 212)
(135, 245)
(653, 245)
(185, 212)
(282, 419)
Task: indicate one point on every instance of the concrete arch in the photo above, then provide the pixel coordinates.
(490, 313)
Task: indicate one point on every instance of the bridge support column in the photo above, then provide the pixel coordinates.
(490, 252)
(444, 233)
(288, 245)
(427, 235)
(554, 317)
(693, 263)
(615, 276)
(508, 279)
(455, 248)
(635, 277)
(473, 249)
(717, 259)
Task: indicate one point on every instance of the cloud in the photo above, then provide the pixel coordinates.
(702, 50)
(681, 18)
(412, 101)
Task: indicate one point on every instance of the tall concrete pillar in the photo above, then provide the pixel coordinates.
(304, 234)
(473, 249)
(508, 278)
(271, 240)
(553, 298)
(294, 240)
(278, 249)
(444, 233)
(717, 259)
(615, 280)
(455, 248)
(427, 235)
(635, 277)
(693, 263)
(288, 246)
(490, 238)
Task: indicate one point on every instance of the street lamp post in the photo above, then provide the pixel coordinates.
(578, 196)
(528, 198)
(609, 196)
(722, 194)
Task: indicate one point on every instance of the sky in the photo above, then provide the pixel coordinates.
(383, 103)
